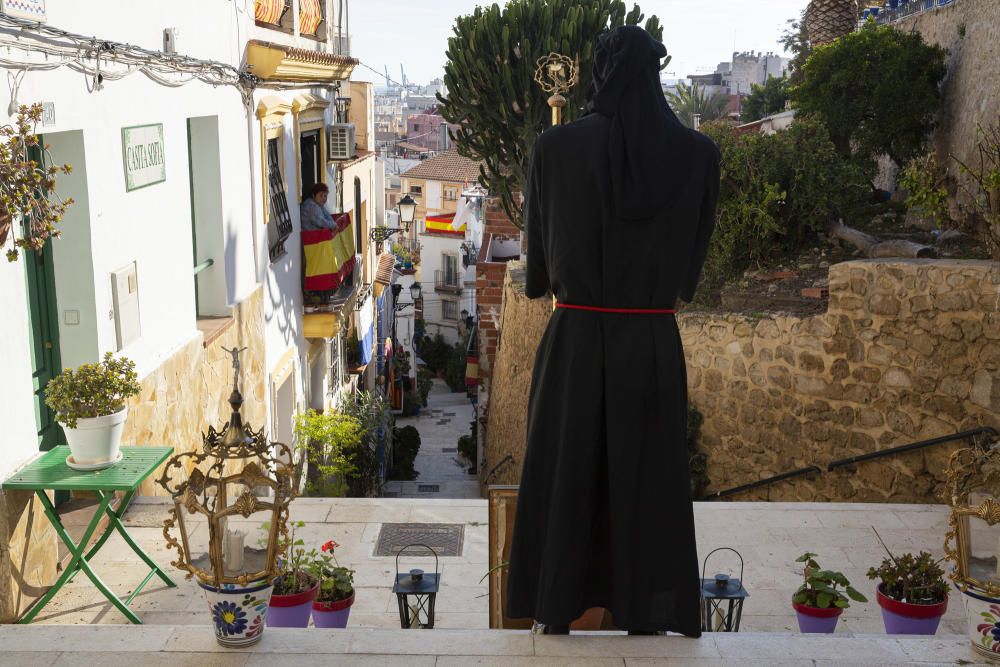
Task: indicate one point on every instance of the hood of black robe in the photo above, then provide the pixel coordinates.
(648, 146)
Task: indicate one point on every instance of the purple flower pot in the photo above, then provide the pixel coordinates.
(813, 620)
(904, 618)
(332, 614)
(291, 611)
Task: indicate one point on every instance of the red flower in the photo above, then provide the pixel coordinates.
(330, 546)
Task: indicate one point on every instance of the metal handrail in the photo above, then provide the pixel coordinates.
(507, 459)
(763, 482)
(985, 430)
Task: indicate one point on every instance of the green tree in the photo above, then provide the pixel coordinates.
(877, 91)
(765, 100)
(795, 39)
(688, 102)
(490, 73)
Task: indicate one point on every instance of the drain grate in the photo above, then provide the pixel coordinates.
(390, 494)
(449, 450)
(428, 488)
(444, 538)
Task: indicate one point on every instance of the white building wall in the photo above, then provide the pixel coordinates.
(108, 227)
(17, 411)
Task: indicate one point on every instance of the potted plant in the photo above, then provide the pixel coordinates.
(296, 587)
(90, 404)
(912, 592)
(332, 606)
(818, 603)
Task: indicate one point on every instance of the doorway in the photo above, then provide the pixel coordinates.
(312, 161)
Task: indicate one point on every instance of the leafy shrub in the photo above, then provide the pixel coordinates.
(913, 579)
(777, 192)
(455, 371)
(327, 440)
(697, 460)
(468, 444)
(406, 444)
(819, 587)
(877, 91)
(435, 352)
(924, 180)
(92, 390)
(411, 403)
(373, 412)
(425, 380)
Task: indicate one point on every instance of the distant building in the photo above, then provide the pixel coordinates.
(427, 131)
(739, 75)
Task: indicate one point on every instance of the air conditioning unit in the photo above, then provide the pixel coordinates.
(340, 141)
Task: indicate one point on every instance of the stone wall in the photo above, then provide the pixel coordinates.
(28, 559)
(970, 31)
(189, 391)
(907, 350)
(522, 326)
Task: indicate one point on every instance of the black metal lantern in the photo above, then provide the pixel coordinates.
(407, 210)
(416, 592)
(415, 290)
(722, 598)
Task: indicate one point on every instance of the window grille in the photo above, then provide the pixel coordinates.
(281, 220)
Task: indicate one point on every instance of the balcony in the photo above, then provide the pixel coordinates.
(448, 282)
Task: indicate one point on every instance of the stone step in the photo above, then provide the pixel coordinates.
(126, 644)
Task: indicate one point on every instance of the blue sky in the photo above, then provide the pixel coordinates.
(699, 34)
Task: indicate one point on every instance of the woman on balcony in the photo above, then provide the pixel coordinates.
(312, 212)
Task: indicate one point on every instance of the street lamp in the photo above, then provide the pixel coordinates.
(407, 209)
(414, 294)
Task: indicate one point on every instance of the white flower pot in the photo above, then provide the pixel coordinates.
(95, 440)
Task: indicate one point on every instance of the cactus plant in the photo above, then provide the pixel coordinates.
(490, 79)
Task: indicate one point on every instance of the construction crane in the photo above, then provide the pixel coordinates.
(402, 76)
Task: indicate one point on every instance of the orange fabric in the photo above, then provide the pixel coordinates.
(310, 16)
(268, 11)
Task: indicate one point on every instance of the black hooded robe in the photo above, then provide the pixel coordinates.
(604, 516)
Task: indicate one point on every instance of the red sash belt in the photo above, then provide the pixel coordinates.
(597, 309)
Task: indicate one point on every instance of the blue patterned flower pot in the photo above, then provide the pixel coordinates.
(983, 613)
(238, 613)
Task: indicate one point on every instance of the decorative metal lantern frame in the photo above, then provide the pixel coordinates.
(215, 491)
(974, 480)
(416, 592)
(722, 598)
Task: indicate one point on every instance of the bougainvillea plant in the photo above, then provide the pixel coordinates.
(92, 390)
(27, 186)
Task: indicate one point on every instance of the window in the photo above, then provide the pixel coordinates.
(312, 20)
(450, 193)
(359, 223)
(281, 221)
(312, 161)
(450, 270)
(416, 127)
(449, 310)
(335, 367)
(416, 189)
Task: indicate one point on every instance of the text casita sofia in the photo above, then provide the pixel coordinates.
(144, 155)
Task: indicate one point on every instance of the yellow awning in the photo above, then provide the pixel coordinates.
(274, 62)
(320, 325)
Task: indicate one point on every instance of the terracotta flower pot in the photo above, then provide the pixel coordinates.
(332, 614)
(905, 618)
(291, 611)
(813, 619)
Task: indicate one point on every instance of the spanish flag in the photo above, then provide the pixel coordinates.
(442, 224)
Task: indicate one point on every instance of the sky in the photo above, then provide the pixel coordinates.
(699, 34)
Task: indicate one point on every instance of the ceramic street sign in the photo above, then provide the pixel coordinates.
(143, 152)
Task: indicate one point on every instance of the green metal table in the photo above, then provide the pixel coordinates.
(49, 472)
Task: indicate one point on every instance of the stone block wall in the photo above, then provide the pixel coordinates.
(907, 350)
(970, 31)
(189, 391)
(29, 555)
